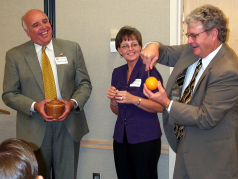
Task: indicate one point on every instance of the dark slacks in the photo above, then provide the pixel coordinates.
(58, 153)
(137, 161)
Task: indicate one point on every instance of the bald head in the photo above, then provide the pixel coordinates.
(36, 25)
(32, 11)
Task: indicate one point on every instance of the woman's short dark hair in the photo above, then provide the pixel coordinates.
(128, 32)
(17, 160)
(211, 17)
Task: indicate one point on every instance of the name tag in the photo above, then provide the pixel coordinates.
(61, 60)
(136, 83)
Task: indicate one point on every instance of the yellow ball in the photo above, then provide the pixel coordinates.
(151, 83)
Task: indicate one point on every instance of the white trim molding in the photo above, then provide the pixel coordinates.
(176, 34)
(99, 144)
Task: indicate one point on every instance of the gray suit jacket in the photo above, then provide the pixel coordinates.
(210, 144)
(23, 84)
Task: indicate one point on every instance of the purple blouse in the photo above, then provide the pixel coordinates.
(140, 125)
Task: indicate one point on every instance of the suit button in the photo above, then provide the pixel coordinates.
(125, 119)
(125, 107)
(125, 123)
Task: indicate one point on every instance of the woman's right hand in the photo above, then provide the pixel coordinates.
(111, 92)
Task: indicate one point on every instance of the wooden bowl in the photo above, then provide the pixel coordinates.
(55, 108)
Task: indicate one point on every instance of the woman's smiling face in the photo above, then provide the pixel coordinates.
(130, 48)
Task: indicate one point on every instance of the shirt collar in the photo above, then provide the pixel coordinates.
(39, 47)
(208, 59)
(212, 54)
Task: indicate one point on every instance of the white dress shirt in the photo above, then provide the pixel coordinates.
(191, 69)
(51, 55)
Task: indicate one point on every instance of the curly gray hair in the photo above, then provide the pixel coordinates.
(211, 17)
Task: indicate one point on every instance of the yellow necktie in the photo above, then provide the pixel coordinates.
(186, 98)
(48, 77)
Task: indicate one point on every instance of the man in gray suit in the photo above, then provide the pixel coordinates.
(207, 142)
(56, 144)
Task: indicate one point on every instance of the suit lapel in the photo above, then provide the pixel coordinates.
(217, 57)
(173, 88)
(59, 52)
(33, 62)
(135, 71)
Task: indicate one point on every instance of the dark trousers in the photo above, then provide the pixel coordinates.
(58, 154)
(137, 161)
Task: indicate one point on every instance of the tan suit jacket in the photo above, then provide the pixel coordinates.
(209, 148)
(23, 85)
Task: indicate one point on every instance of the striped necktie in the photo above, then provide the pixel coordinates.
(186, 98)
(48, 77)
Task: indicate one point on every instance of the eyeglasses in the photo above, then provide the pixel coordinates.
(126, 47)
(194, 36)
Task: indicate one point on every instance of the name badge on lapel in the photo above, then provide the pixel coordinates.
(136, 83)
(61, 60)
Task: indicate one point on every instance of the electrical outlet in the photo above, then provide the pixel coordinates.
(97, 176)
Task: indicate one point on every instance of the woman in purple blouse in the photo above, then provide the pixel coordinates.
(137, 135)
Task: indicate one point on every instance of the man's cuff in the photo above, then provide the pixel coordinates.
(76, 106)
(169, 107)
(32, 109)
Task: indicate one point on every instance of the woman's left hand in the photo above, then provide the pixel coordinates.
(145, 104)
(124, 97)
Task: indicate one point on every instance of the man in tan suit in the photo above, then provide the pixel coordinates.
(207, 144)
(56, 144)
